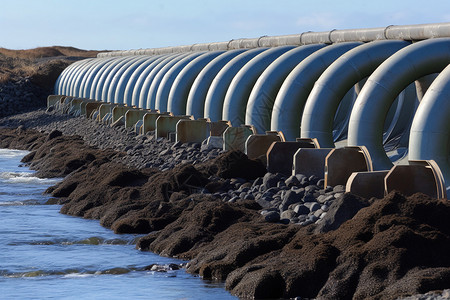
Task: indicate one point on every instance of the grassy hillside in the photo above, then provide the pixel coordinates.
(41, 65)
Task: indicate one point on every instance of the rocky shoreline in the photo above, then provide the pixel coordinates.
(265, 235)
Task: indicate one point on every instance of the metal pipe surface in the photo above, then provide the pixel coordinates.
(336, 81)
(290, 101)
(238, 92)
(430, 130)
(262, 97)
(195, 105)
(182, 84)
(383, 86)
(218, 89)
(391, 32)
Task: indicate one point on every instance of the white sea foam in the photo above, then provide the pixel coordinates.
(26, 177)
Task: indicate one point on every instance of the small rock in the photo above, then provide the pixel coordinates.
(339, 189)
(301, 209)
(292, 181)
(272, 217)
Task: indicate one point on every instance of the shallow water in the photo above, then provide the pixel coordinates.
(48, 255)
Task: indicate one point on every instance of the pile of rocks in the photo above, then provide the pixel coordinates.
(143, 151)
(20, 96)
(295, 199)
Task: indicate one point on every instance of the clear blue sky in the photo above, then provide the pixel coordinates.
(134, 24)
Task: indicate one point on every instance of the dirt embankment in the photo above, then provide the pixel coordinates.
(27, 77)
(392, 247)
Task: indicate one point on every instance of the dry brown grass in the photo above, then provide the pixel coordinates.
(42, 65)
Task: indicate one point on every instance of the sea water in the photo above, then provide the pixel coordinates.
(48, 255)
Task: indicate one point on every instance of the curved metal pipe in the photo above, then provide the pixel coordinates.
(238, 92)
(102, 92)
(336, 81)
(77, 75)
(197, 95)
(380, 90)
(81, 77)
(218, 89)
(72, 77)
(86, 83)
(138, 91)
(124, 89)
(65, 78)
(430, 130)
(264, 92)
(291, 99)
(179, 90)
(147, 94)
(162, 94)
(101, 76)
(122, 73)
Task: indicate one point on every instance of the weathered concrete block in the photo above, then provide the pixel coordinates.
(257, 145)
(219, 127)
(119, 111)
(342, 162)
(421, 176)
(194, 131)
(150, 120)
(91, 107)
(310, 161)
(367, 184)
(54, 99)
(234, 137)
(105, 109)
(132, 116)
(280, 155)
(166, 124)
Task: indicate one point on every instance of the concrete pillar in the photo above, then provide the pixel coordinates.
(257, 145)
(91, 107)
(280, 155)
(219, 127)
(118, 112)
(192, 131)
(234, 137)
(149, 120)
(166, 124)
(132, 116)
(421, 176)
(366, 184)
(342, 162)
(310, 161)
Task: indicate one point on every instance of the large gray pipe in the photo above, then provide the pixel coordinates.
(383, 86)
(336, 81)
(162, 94)
(264, 92)
(290, 101)
(182, 84)
(127, 82)
(77, 77)
(69, 75)
(111, 80)
(66, 76)
(88, 79)
(238, 92)
(124, 74)
(430, 130)
(218, 89)
(139, 91)
(392, 32)
(82, 77)
(197, 95)
(104, 79)
(147, 94)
